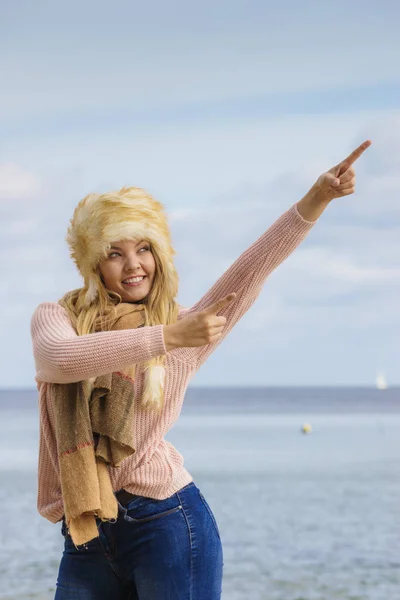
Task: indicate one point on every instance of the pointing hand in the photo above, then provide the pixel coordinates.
(341, 179)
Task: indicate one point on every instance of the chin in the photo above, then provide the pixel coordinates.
(134, 297)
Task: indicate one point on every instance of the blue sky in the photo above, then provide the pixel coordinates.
(227, 113)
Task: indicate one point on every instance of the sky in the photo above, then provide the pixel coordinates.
(227, 112)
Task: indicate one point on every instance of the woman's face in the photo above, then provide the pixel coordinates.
(126, 260)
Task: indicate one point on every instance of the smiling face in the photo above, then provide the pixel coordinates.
(126, 260)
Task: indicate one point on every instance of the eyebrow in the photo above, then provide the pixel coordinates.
(114, 247)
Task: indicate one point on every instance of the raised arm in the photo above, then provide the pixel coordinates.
(247, 275)
(61, 356)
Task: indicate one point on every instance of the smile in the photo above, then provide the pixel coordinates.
(134, 281)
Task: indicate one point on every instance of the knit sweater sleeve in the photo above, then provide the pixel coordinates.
(247, 275)
(61, 356)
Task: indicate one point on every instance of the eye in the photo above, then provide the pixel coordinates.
(115, 253)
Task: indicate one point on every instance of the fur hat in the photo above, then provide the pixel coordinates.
(130, 214)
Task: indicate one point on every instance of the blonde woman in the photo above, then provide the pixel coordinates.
(113, 360)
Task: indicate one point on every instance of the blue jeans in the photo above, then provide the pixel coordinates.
(156, 550)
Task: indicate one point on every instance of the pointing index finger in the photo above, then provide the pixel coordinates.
(220, 304)
(355, 154)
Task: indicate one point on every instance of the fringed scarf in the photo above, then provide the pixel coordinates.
(93, 431)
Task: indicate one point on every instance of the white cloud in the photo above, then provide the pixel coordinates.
(17, 183)
(335, 266)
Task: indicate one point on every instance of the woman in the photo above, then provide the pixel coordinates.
(113, 361)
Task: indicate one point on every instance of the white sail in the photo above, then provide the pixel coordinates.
(381, 383)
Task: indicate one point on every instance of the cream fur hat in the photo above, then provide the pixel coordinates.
(130, 214)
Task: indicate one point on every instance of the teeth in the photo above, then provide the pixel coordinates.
(133, 280)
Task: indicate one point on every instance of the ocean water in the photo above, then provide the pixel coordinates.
(302, 517)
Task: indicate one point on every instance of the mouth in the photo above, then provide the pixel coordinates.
(134, 281)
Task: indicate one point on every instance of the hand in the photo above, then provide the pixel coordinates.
(199, 328)
(340, 180)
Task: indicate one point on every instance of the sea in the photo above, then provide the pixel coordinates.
(302, 516)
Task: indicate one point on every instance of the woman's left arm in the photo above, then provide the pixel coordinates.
(247, 274)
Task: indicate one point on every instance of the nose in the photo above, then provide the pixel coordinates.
(132, 262)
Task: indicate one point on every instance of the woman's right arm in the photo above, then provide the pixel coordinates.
(62, 356)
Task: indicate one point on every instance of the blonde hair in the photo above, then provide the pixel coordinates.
(99, 220)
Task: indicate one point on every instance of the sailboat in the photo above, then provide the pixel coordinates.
(381, 383)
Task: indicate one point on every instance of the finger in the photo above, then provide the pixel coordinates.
(347, 175)
(216, 329)
(329, 180)
(355, 155)
(218, 322)
(345, 184)
(347, 192)
(348, 189)
(219, 305)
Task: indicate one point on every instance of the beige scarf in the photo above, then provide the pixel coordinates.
(93, 430)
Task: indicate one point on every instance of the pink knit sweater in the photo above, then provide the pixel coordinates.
(61, 356)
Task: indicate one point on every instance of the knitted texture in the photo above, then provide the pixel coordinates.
(156, 469)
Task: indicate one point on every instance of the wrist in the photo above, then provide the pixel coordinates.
(313, 204)
(170, 338)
